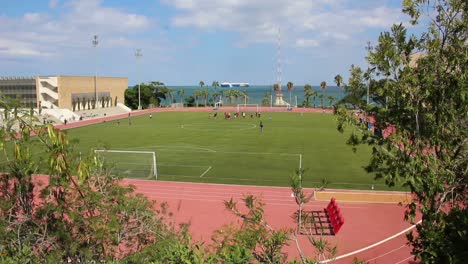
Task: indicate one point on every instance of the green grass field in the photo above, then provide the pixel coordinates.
(192, 147)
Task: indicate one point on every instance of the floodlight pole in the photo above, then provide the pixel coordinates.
(138, 55)
(95, 44)
(368, 48)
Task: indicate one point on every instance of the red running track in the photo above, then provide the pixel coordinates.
(365, 223)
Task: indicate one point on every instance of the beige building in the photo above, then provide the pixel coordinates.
(75, 92)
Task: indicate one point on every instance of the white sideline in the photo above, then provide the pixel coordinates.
(207, 170)
(371, 246)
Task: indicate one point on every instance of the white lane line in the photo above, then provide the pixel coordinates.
(371, 246)
(207, 170)
(401, 261)
(383, 255)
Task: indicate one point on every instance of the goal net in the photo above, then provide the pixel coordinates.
(130, 163)
(247, 107)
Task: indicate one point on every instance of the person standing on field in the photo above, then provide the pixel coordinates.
(261, 126)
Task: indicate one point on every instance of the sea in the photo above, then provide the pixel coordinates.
(256, 93)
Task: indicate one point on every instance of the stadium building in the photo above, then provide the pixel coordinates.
(48, 92)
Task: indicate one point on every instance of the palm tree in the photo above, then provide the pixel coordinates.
(331, 98)
(205, 94)
(225, 95)
(201, 83)
(214, 96)
(276, 88)
(290, 86)
(245, 94)
(323, 85)
(321, 96)
(314, 95)
(339, 81)
(232, 94)
(197, 94)
(180, 93)
(170, 93)
(307, 94)
(215, 84)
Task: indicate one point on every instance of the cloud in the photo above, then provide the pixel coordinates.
(299, 19)
(90, 13)
(306, 43)
(53, 3)
(40, 34)
(19, 49)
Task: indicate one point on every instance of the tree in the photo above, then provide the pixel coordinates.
(255, 235)
(339, 82)
(290, 86)
(201, 83)
(244, 94)
(215, 84)
(323, 85)
(276, 88)
(355, 89)
(150, 94)
(321, 96)
(170, 93)
(81, 214)
(266, 101)
(214, 97)
(196, 94)
(205, 93)
(331, 98)
(180, 93)
(424, 77)
(307, 93)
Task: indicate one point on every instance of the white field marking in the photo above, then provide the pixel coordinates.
(373, 245)
(177, 165)
(258, 153)
(207, 170)
(238, 128)
(184, 148)
(376, 193)
(171, 148)
(401, 261)
(365, 191)
(383, 255)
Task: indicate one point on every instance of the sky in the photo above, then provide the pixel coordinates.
(185, 41)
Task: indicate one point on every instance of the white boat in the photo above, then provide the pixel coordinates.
(231, 85)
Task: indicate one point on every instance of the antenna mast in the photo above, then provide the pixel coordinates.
(279, 59)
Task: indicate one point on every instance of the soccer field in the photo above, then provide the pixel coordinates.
(191, 146)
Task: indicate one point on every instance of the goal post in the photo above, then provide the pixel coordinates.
(154, 167)
(248, 105)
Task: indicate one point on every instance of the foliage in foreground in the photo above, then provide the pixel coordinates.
(79, 213)
(82, 213)
(420, 86)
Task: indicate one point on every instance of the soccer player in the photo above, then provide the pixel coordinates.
(151, 116)
(261, 126)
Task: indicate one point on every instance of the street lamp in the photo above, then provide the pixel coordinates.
(95, 44)
(138, 55)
